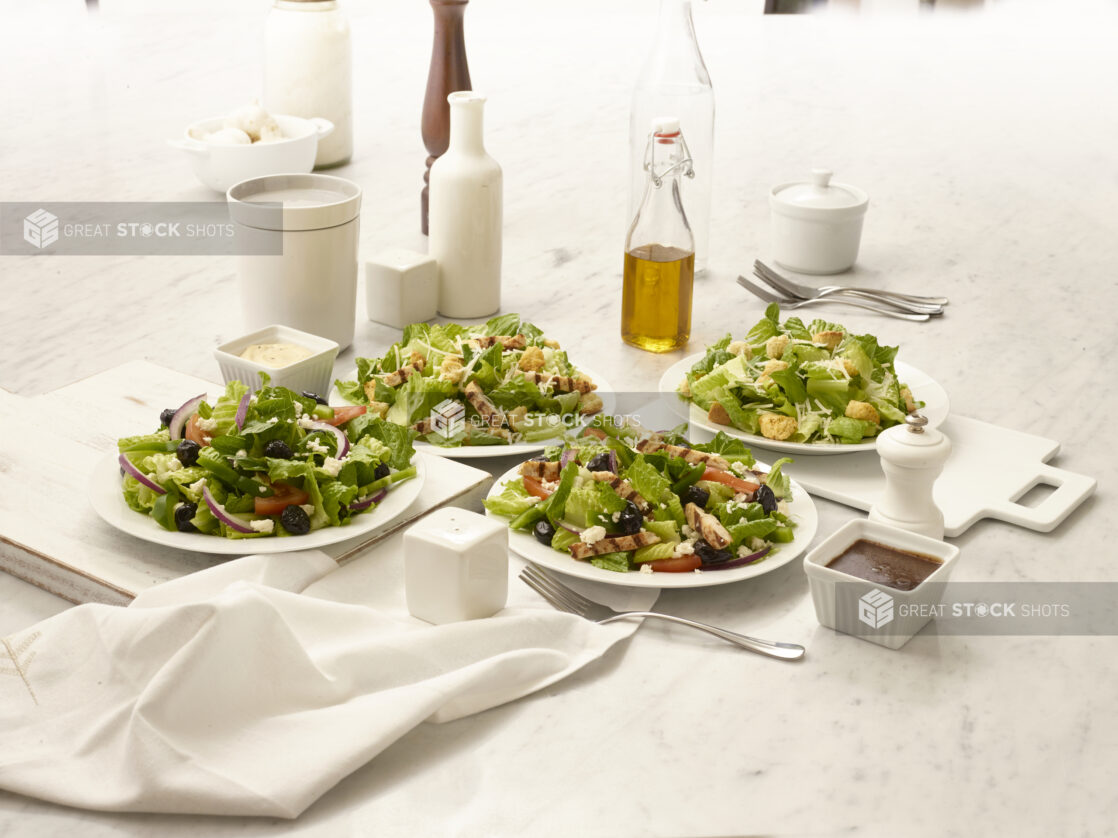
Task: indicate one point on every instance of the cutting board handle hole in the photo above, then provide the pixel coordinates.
(1036, 494)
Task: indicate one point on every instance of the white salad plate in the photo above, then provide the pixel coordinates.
(107, 500)
(473, 452)
(801, 509)
(923, 387)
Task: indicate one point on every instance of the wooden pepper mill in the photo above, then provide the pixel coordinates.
(449, 73)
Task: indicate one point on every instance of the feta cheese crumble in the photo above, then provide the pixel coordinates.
(332, 466)
(592, 535)
(266, 526)
(317, 447)
(646, 567)
(206, 424)
(684, 548)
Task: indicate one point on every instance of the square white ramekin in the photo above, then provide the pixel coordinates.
(877, 613)
(312, 374)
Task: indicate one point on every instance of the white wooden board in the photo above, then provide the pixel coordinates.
(49, 534)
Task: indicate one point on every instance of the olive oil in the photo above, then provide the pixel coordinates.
(656, 297)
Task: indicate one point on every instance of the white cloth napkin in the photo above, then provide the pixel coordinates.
(249, 689)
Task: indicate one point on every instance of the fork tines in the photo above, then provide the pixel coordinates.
(554, 591)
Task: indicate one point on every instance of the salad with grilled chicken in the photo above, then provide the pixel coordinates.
(273, 463)
(814, 383)
(498, 383)
(651, 504)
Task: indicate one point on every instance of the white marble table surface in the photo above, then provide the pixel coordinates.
(987, 145)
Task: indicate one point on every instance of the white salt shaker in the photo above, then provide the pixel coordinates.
(912, 457)
(401, 287)
(456, 566)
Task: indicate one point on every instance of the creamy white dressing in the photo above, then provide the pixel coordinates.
(275, 354)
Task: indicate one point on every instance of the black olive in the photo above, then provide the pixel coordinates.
(711, 556)
(629, 520)
(544, 531)
(187, 452)
(766, 498)
(183, 513)
(295, 520)
(381, 471)
(600, 462)
(278, 449)
(696, 495)
(166, 416)
(318, 399)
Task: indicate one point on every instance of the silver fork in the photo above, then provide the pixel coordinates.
(564, 598)
(883, 308)
(925, 305)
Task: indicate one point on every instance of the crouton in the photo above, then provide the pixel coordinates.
(740, 347)
(909, 401)
(849, 367)
(777, 426)
(553, 344)
(589, 403)
(862, 410)
(379, 408)
(532, 359)
(762, 382)
(830, 339)
(718, 415)
(451, 369)
(417, 360)
(516, 416)
(506, 341)
(774, 366)
(775, 346)
(685, 389)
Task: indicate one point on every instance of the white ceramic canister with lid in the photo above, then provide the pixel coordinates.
(311, 284)
(308, 70)
(816, 224)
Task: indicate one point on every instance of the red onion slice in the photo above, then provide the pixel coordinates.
(223, 516)
(752, 557)
(339, 434)
(569, 528)
(614, 465)
(242, 411)
(178, 421)
(365, 503)
(126, 464)
(567, 455)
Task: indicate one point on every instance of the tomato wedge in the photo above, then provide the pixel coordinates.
(194, 433)
(535, 487)
(677, 564)
(286, 495)
(734, 482)
(344, 414)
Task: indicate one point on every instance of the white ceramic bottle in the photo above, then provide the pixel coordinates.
(466, 215)
(912, 458)
(307, 70)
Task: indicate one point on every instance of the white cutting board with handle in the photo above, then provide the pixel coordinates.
(989, 470)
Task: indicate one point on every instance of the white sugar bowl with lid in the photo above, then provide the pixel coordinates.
(816, 224)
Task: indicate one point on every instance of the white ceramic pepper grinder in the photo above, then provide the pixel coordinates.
(912, 457)
(466, 215)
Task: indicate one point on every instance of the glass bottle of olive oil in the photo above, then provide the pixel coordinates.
(660, 249)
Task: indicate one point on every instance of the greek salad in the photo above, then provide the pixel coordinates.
(497, 383)
(814, 383)
(273, 463)
(650, 503)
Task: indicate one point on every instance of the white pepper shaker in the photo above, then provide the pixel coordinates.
(912, 457)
